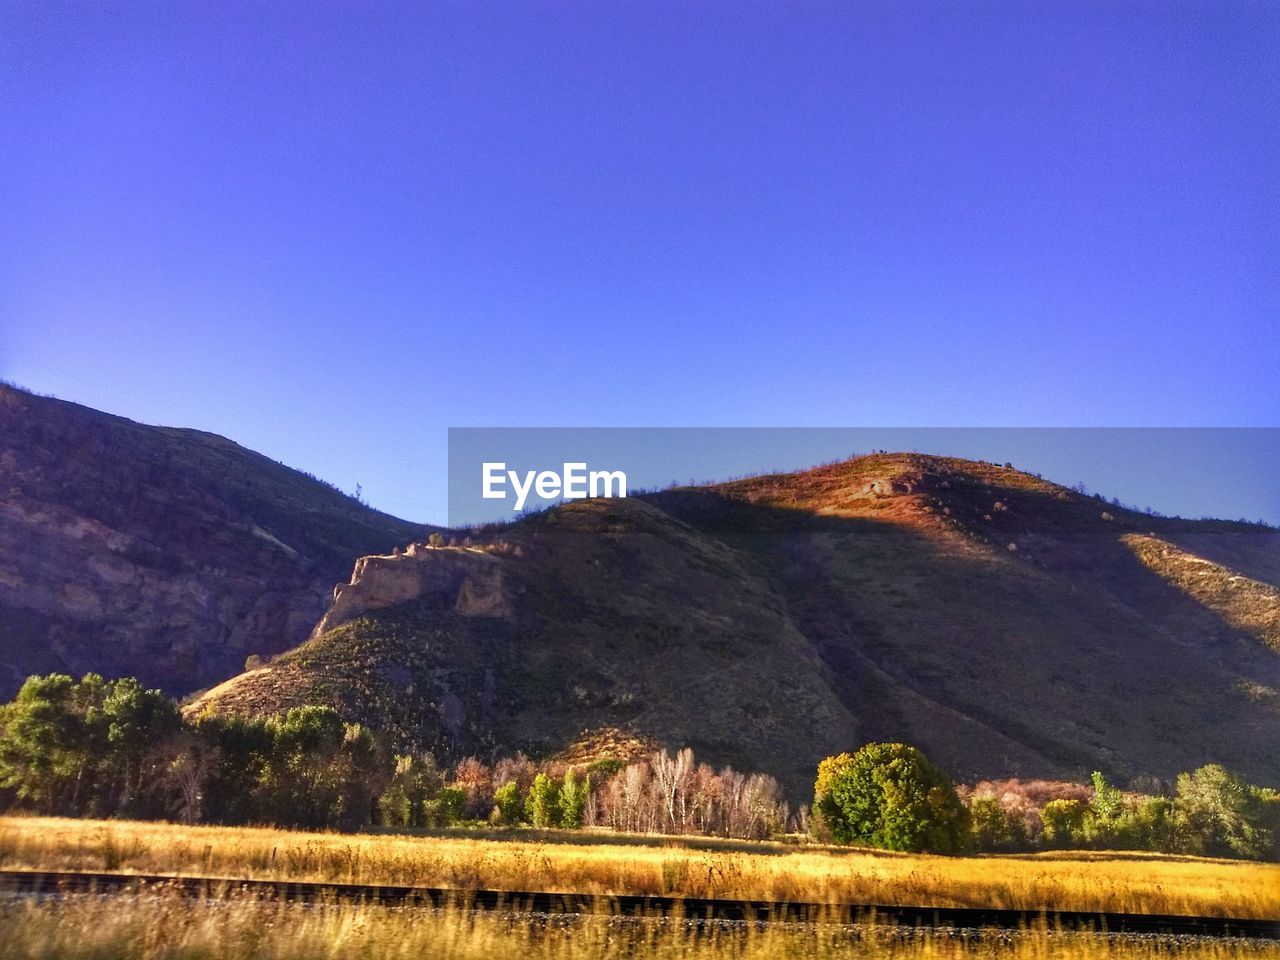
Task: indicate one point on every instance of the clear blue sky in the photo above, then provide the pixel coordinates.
(331, 231)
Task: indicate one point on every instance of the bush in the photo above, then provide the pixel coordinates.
(890, 795)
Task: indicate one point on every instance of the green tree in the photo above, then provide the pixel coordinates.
(1106, 823)
(890, 795)
(42, 756)
(543, 804)
(140, 723)
(1063, 822)
(235, 751)
(1220, 814)
(574, 793)
(311, 770)
(415, 781)
(362, 776)
(994, 828)
(507, 805)
(446, 807)
(54, 750)
(1153, 825)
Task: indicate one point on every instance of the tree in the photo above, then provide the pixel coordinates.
(573, 799)
(890, 795)
(477, 781)
(1221, 815)
(1106, 823)
(446, 807)
(138, 722)
(189, 770)
(44, 748)
(994, 828)
(1153, 825)
(316, 771)
(415, 781)
(507, 806)
(238, 749)
(1063, 820)
(362, 776)
(543, 804)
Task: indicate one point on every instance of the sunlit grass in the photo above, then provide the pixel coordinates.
(1137, 883)
(171, 928)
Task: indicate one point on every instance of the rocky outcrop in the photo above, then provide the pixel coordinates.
(468, 580)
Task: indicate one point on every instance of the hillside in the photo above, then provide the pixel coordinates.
(164, 553)
(1006, 624)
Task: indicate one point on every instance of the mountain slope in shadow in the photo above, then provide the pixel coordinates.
(1009, 626)
(163, 553)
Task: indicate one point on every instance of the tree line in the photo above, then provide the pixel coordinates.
(103, 748)
(890, 795)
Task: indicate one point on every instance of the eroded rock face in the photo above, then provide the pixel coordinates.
(170, 555)
(468, 580)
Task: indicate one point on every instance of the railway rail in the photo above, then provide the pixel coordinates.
(54, 883)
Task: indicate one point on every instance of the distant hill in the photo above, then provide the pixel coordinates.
(1008, 625)
(164, 553)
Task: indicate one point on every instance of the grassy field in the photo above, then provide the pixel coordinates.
(1137, 883)
(159, 928)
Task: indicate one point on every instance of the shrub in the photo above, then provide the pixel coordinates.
(890, 795)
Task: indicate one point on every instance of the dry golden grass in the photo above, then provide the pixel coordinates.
(169, 928)
(1136, 883)
(1251, 606)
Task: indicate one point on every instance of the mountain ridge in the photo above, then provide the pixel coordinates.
(1007, 624)
(167, 553)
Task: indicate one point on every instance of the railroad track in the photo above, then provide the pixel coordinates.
(53, 883)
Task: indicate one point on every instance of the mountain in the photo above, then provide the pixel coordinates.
(1007, 625)
(163, 553)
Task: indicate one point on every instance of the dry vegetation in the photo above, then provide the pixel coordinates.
(1138, 883)
(1247, 604)
(152, 928)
